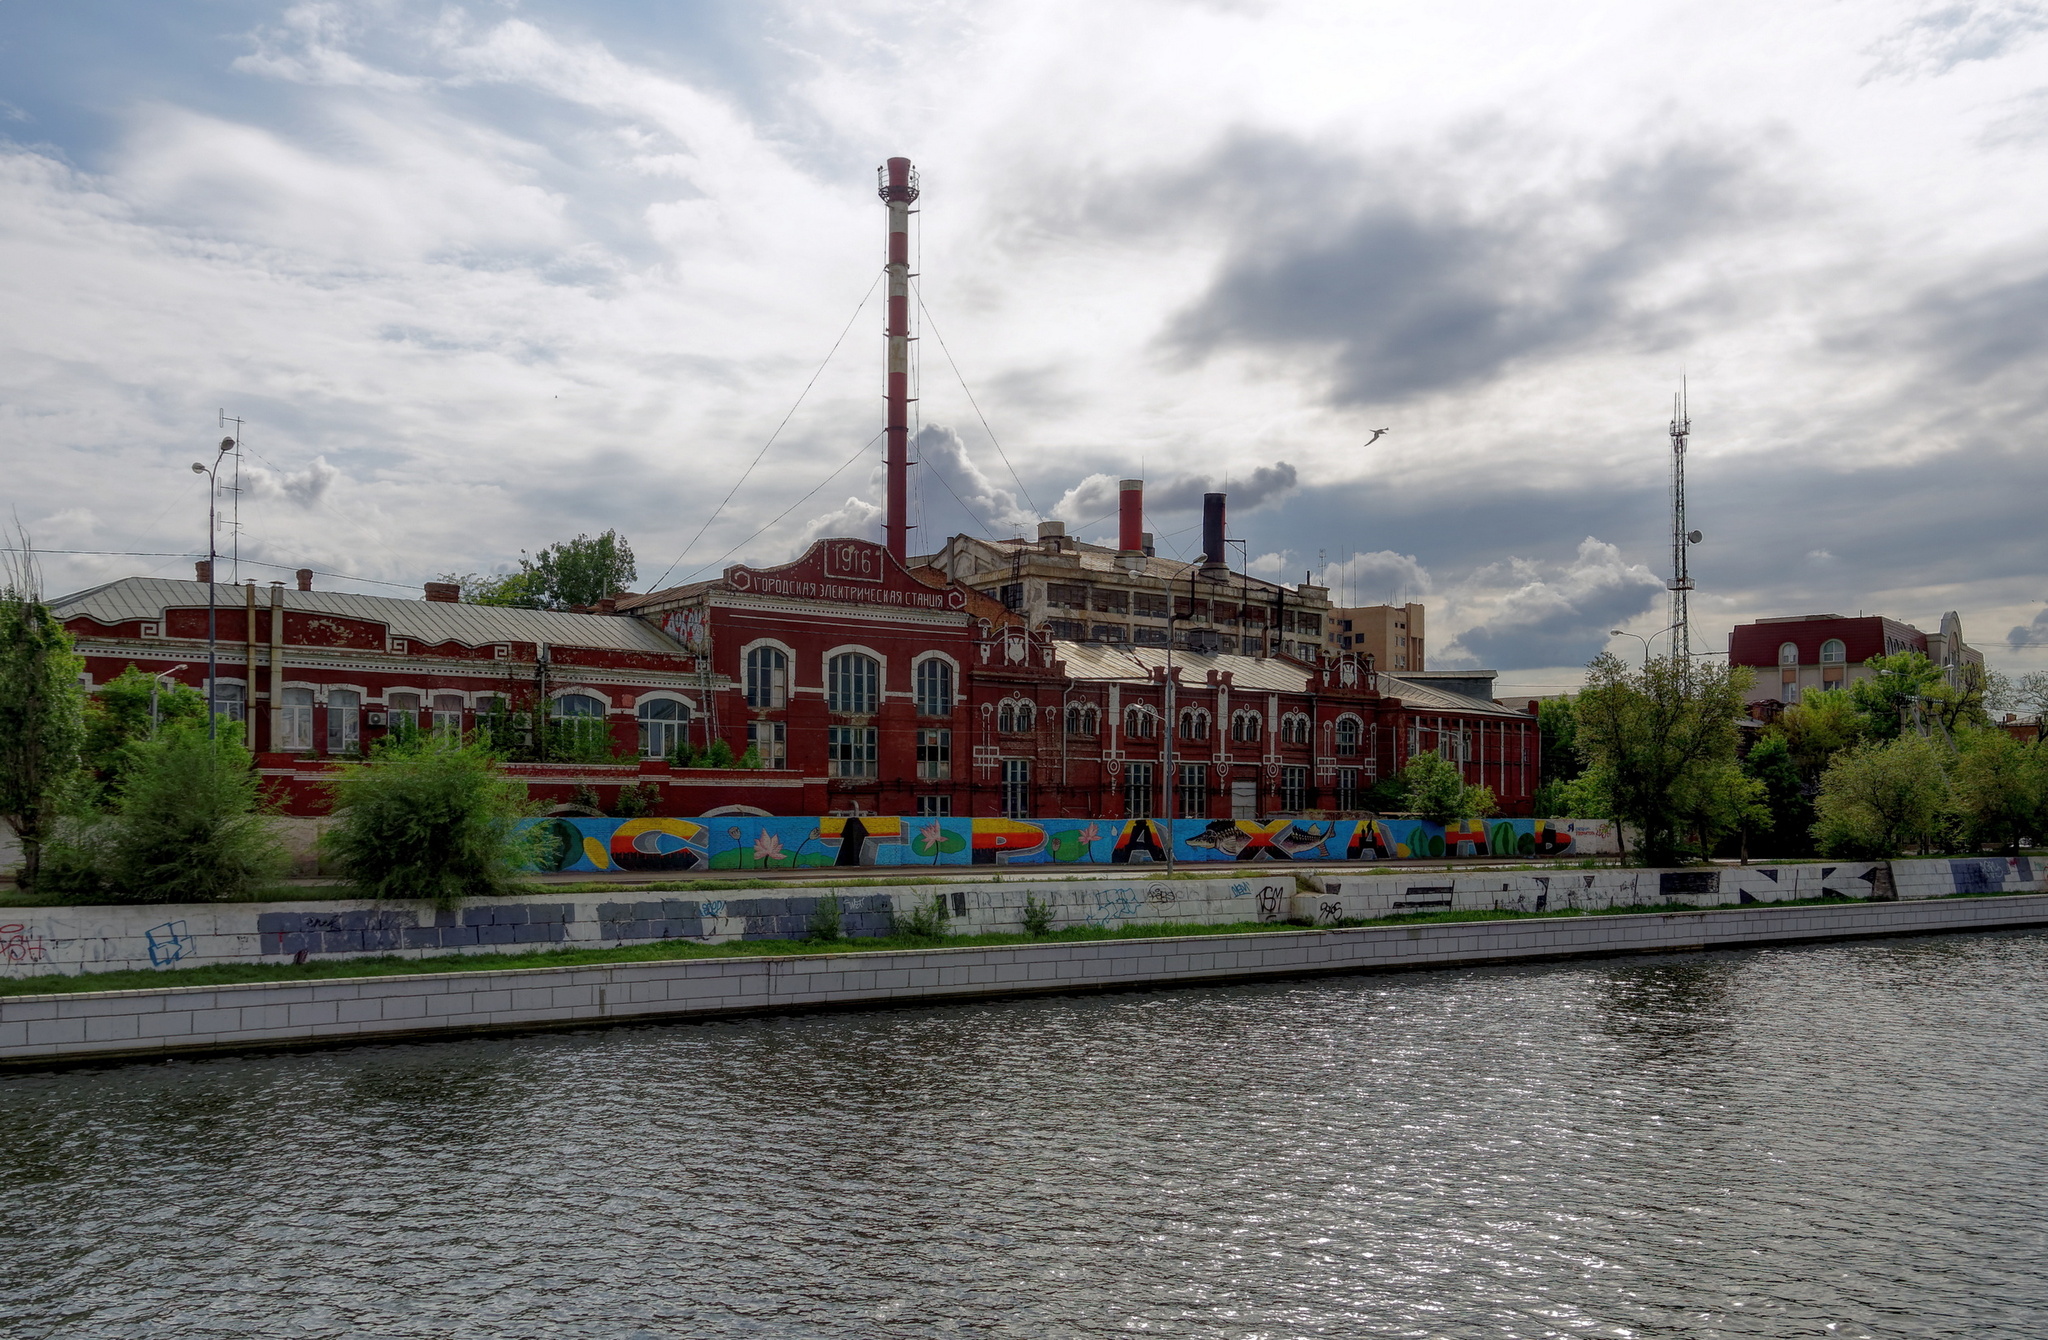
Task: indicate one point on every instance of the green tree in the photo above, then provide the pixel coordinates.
(1436, 790)
(1879, 797)
(189, 824)
(1895, 694)
(581, 571)
(432, 819)
(2000, 787)
(1558, 728)
(118, 715)
(1822, 724)
(1956, 702)
(519, 590)
(42, 717)
(1665, 740)
(1786, 831)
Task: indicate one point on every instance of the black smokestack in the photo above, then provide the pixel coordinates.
(1212, 531)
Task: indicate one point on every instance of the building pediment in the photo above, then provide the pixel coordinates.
(850, 572)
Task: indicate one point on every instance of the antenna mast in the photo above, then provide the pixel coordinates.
(235, 508)
(1681, 539)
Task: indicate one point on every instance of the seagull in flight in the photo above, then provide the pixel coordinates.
(1377, 434)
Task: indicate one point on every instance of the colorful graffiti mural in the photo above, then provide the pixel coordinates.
(747, 843)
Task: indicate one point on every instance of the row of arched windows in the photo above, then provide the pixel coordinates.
(853, 683)
(1832, 652)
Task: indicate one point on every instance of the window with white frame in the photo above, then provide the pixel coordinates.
(853, 683)
(1081, 719)
(1788, 654)
(579, 716)
(767, 677)
(1350, 731)
(1831, 651)
(934, 688)
(1138, 790)
(664, 725)
(770, 742)
(934, 755)
(1349, 796)
(1193, 797)
(850, 751)
(1016, 788)
(295, 721)
(1140, 723)
(228, 702)
(402, 711)
(935, 807)
(344, 721)
(447, 709)
(1016, 716)
(1194, 723)
(1246, 727)
(1293, 787)
(1294, 728)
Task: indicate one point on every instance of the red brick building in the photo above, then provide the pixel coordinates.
(864, 685)
(1796, 654)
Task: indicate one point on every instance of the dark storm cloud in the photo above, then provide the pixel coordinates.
(1398, 285)
(1978, 331)
(1261, 485)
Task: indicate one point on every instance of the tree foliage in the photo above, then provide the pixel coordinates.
(1895, 694)
(2000, 788)
(1664, 741)
(42, 718)
(432, 818)
(1880, 797)
(1784, 829)
(117, 716)
(1435, 789)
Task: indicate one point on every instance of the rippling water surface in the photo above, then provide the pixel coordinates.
(1833, 1141)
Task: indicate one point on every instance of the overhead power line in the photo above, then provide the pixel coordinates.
(919, 290)
(783, 513)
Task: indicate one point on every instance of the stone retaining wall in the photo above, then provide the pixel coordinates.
(36, 941)
(86, 1025)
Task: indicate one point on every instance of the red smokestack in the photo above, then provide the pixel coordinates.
(897, 185)
(1130, 515)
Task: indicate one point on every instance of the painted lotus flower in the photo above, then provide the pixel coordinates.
(768, 849)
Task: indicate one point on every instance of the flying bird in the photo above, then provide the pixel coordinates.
(1377, 434)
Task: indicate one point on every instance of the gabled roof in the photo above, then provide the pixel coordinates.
(1422, 696)
(428, 621)
(1105, 660)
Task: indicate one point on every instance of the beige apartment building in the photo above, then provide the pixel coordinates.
(1390, 634)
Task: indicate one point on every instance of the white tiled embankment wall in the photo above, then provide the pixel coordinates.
(72, 1026)
(36, 941)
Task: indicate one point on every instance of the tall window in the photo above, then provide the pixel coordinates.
(1081, 719)
(853, 683)
(1140, 723)
(767, 678)
(1831, 651)
(1193, 800)
(769, 742)
(934, 755)
(934, 688)
(344, 721)
(447, 715)
(1194, 724)
(1294, 728)
(1016, 716)
(850, 751)
(1349, 729)
(1245, 727)
(1137, 790)
(1293, 788)
(403, 710)
(580, 717)
(1016, 788)
(664, 723)
(295, 720)
(1788, 654)
(1349, 797)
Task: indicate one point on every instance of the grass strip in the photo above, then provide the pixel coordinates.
(228, 974)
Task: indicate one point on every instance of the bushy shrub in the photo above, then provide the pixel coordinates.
(926, 921)
(1037, 916)
(1436, 790)
(189, 825)
(433, 820)
(825, 919)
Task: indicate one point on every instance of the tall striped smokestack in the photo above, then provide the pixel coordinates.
(1212, 534)
(897, 185)
(1130, 516)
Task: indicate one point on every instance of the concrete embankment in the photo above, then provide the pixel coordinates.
(156, 1022)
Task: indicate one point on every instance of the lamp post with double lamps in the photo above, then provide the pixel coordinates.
(1622, 632)
(227, 444)
(1171, 780)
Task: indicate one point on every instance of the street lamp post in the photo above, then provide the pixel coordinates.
(154, 682)
(1622, 632)
(227, 444)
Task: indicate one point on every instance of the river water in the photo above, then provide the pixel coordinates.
(1844, 1140)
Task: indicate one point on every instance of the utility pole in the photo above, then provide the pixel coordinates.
(212, 474)
(1681, 538)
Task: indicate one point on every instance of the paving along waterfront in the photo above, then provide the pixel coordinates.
(1840, 1140)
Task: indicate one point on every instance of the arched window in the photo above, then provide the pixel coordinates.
(664, 723)
(1294, 728)
(1194, 724)
(404, 710)
(1831, 651)
(1015, 716)
(1080, 719)
(767, 677)
(1349, 729)
(852, 683)
(1246, 727)
(1139, 723)
(295, 720)
(934, 688)
(1788, 654)
(344, 721)
(447, 709)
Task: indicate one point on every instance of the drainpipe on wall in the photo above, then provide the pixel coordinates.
(249, 717)
(276, 662)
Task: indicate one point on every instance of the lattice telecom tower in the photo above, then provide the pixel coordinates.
(1681, 538)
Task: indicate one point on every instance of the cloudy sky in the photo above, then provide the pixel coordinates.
(483, 276)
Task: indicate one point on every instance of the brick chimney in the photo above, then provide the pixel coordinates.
(202, 571)
(305, 579)
(448, 593)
